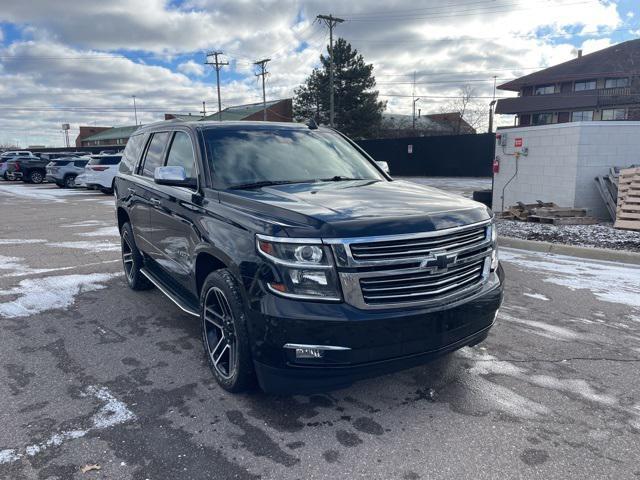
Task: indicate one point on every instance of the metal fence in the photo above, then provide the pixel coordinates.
(444, 156)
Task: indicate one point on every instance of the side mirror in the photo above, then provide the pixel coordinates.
(173, 176)
(385, 167)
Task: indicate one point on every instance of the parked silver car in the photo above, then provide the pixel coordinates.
(63, 171)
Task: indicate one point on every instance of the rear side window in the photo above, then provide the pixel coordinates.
(181, 154)
(105, 160)
(132, 153)
(80, 163)
(153, 158)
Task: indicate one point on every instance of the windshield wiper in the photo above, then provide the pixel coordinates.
(340, 178)
(265, 183)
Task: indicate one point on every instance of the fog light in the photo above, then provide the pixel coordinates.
(306, 353)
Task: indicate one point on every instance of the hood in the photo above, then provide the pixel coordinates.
(357, 208)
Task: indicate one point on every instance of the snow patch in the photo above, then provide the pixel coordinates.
(48, 293)
(486, 364)
(611, 282)
(96, 246)
(543, 329)
(537, 296)
(45, 193)
(102, 232)
(20, 241)
(112, 412)
(88, 223)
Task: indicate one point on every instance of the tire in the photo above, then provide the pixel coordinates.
(36, 176)
(61, 185)
(132, 260)
(5, 176)
(70, 181)
(224, 332)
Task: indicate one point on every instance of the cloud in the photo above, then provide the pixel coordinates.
(75, 60)
(191, 68)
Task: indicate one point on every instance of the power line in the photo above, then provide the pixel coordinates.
(463, 13)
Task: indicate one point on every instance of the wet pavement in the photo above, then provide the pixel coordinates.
(94, 374)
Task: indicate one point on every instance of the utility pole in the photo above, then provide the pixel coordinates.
(135, 110)
(491, 105)
(263, 73)
(204, 109)
(494, 87)
(415, 100)
(217, 65)
(331, 22)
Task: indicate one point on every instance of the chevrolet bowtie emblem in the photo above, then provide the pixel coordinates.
(439, 261)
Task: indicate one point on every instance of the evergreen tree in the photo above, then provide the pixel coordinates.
(358, 112)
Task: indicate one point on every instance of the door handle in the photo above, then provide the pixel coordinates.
(155, 201)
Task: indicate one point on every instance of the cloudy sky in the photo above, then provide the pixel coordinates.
(81, 62)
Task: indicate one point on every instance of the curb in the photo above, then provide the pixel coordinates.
(571, 250)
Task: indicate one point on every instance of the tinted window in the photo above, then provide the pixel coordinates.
(105, 160)
(80, 163)
(132, 153)
(181, 154)
(291, 155)
(153, 158)
(60, 163)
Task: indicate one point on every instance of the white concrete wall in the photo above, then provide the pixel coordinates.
(563, 161)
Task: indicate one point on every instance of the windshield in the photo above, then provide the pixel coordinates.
(252, 156)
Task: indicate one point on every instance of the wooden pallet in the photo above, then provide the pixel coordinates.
(628, 208)
(563, 220)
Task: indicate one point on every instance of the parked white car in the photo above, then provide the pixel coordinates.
(99, 173)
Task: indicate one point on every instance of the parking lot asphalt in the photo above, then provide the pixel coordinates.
(93, 375)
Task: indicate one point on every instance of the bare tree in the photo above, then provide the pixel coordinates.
(472, 111)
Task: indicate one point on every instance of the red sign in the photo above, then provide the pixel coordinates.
(517, 142)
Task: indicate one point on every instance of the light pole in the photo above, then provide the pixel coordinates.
(135, 110)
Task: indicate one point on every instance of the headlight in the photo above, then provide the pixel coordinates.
(304, 267)
(493, 233)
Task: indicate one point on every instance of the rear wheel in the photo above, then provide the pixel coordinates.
(70, 181)
(224, 332)
(35, 176)
(132, 260)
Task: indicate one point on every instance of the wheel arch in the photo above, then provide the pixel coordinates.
(206, 263)
(123, 217)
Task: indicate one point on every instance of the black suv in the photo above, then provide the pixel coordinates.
(307, 265)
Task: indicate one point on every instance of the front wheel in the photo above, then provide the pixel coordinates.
(132, 260)
(224, 332)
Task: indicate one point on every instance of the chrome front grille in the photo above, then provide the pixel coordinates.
(438, 267)
(415, 287)
(417, 247)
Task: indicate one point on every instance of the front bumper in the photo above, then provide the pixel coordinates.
(377, 341)
(14, 175)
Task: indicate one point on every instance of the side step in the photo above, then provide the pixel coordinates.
(180, 303)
